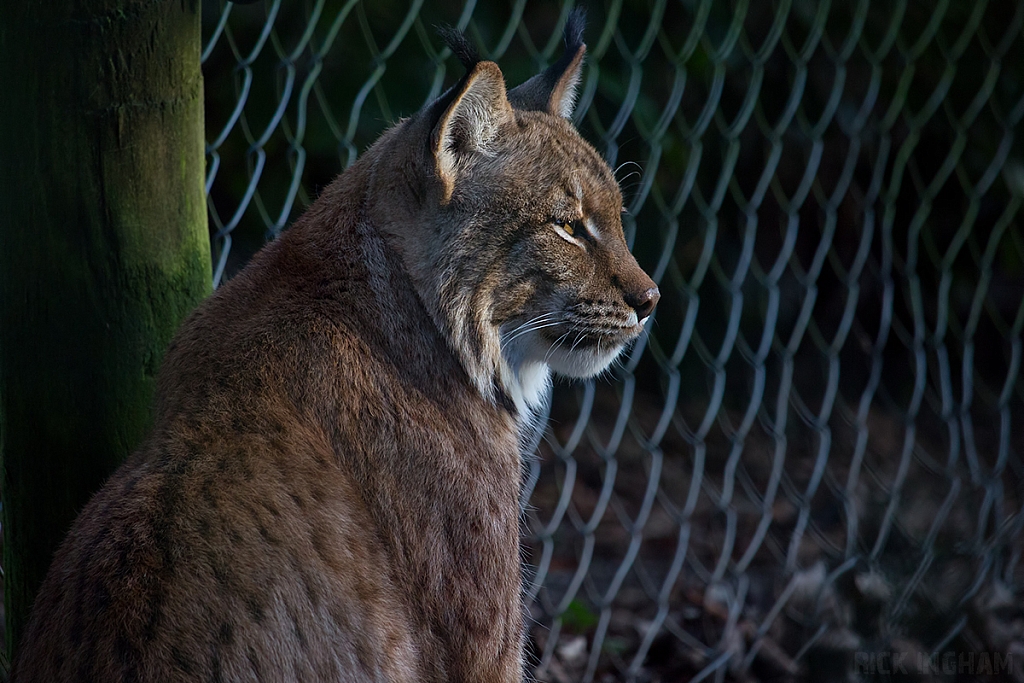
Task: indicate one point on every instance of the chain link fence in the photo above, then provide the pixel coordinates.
(811, 468)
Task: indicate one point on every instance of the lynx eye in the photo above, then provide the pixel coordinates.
(571, 227)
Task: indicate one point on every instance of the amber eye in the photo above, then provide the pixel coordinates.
(570, 227)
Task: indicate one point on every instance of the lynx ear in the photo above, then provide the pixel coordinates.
(554, 89)
(478, 108)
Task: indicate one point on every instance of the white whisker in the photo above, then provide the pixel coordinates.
(532, 325)
(630, 175)
(623, 165)
(536, 319)
(579, 338)
(554, 346)
(531, 329)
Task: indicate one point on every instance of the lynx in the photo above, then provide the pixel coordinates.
(330, 488)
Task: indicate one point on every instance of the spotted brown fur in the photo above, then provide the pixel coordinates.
(330, 490)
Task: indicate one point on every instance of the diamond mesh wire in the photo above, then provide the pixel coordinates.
(812, 466)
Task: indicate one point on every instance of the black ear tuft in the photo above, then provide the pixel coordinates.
(460, 46)
(554, 89)
(574, 26)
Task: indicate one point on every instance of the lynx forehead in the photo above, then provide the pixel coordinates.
(331, 488)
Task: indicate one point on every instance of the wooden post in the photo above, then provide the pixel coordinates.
(103, 249)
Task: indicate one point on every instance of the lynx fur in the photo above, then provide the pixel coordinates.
(330, 489)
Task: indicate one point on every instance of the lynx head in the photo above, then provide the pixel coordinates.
(511, 227)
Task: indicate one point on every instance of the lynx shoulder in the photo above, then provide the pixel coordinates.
(330, 489)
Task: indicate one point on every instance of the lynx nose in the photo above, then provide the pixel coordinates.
(644, 303)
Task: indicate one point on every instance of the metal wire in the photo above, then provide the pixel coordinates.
(813, 462)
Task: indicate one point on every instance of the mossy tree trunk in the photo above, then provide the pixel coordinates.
(103, 249)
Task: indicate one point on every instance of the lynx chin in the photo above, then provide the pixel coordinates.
(330, 488)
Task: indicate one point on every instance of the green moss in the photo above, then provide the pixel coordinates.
(103, 250)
